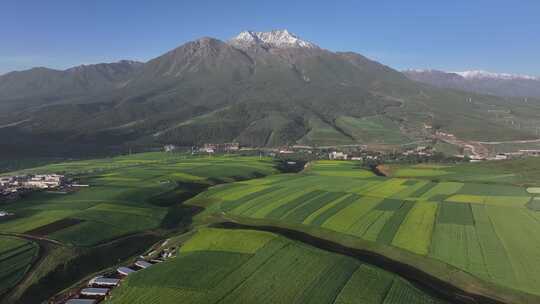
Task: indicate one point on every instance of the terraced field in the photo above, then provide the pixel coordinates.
(244, 266)
(491, 231)
(16, 257)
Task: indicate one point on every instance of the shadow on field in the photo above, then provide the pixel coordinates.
(181, 193)
(86, 262)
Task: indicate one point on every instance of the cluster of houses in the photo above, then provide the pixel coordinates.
(207, 148)
(508, 155)
(14, 185)
(360, 152)
(335, 155)
(419, 151)
(220, 148)
(99, 288)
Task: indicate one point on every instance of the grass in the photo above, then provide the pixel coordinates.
(280, 271)
(372, 129)
(322, 133)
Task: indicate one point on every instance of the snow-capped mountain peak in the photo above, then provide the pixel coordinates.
(488, 75)
(273, 39)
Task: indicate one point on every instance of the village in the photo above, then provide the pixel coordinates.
(13, 185)
(425, 151)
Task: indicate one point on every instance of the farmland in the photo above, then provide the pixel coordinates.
(16, 256)
(126, 196)
(521, 172)
(461, 231)
(245, 266)
(465, 231)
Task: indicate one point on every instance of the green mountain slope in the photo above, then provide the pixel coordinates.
(258, 93)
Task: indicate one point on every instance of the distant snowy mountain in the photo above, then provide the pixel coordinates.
(489, 75)
(500, 84)
(273, 39)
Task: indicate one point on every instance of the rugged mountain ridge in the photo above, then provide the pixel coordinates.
(262, 89)
(76, 80)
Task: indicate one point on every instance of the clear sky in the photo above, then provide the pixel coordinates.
(494, 35)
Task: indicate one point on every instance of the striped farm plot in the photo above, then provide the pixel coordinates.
(245, 266)
(415, 233)
(16, 257)
(477, 228)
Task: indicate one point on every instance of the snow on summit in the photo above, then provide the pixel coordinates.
(273, 39)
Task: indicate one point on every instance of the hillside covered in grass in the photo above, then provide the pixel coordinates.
(209, 90)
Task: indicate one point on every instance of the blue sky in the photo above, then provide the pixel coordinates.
(496, 35)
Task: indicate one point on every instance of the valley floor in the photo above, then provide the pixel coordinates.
(431, 233)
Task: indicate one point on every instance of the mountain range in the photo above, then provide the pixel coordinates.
(259, 88)
(482, 82)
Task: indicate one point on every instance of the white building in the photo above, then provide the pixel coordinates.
(337, 155)
(169, 148)
(102, 281)
(142, 264)
(95, 292)
(501, 157)
(44, 181)
(5, 181)
(125, 271)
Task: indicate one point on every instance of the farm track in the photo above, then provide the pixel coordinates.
(432, 285)
(31, 237)
(45, 246)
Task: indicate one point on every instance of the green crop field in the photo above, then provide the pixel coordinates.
(476, 226)
(520, 172)
(244, 266)
(473, 227)
(138, 195)
(16, 256)
(126, 194)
